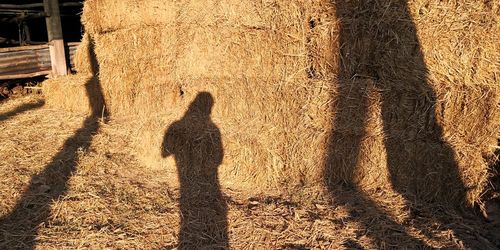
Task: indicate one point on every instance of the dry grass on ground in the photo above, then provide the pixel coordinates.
(114, 202)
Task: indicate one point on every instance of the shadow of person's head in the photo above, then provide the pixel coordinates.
(201, 106)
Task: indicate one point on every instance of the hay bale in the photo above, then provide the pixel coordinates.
(405, 82)
(255, 53)
(73, 93)
(199, 55)
(310, 90)
(81, 58)
(127, 14)
(252, 161)
(459, 53)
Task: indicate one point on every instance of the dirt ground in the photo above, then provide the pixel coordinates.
(70, 183)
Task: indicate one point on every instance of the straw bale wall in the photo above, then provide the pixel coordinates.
(377, 93)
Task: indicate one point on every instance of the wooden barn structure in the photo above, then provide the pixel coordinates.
(30, 46)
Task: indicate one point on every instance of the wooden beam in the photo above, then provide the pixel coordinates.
(26, 75)
(56, 41)
(21, 6)
(37, 5)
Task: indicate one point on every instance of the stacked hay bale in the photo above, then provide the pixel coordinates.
(462, 56)
(273, 68)
(253, 57)
(83, 65)
(418, 98)
(71, 92)
(68, 92)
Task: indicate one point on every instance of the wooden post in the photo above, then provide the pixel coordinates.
(56, 42)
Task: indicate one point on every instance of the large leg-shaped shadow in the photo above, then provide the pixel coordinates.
(380, 52)
(19, 228)
(195, 142)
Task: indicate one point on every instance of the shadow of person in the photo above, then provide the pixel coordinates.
(20, 228)
(196, 144)
(380, 53)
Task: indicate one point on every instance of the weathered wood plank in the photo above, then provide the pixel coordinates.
(56, 41)
(28, 61)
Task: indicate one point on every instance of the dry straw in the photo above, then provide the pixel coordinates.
(308, 88)
(114, 202)
(82, 62)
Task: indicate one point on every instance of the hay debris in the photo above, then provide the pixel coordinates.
(113, 201)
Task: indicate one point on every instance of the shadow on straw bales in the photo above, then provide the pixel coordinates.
(195, 142)
(32, 211)
(381, 62)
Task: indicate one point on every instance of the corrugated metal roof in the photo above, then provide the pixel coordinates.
(29, 61)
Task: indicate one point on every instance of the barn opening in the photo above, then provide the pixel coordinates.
(24, 54)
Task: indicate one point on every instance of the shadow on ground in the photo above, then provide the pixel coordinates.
(21, 109)
(20, 228)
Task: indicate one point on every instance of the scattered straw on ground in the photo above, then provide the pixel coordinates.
(112, 201)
